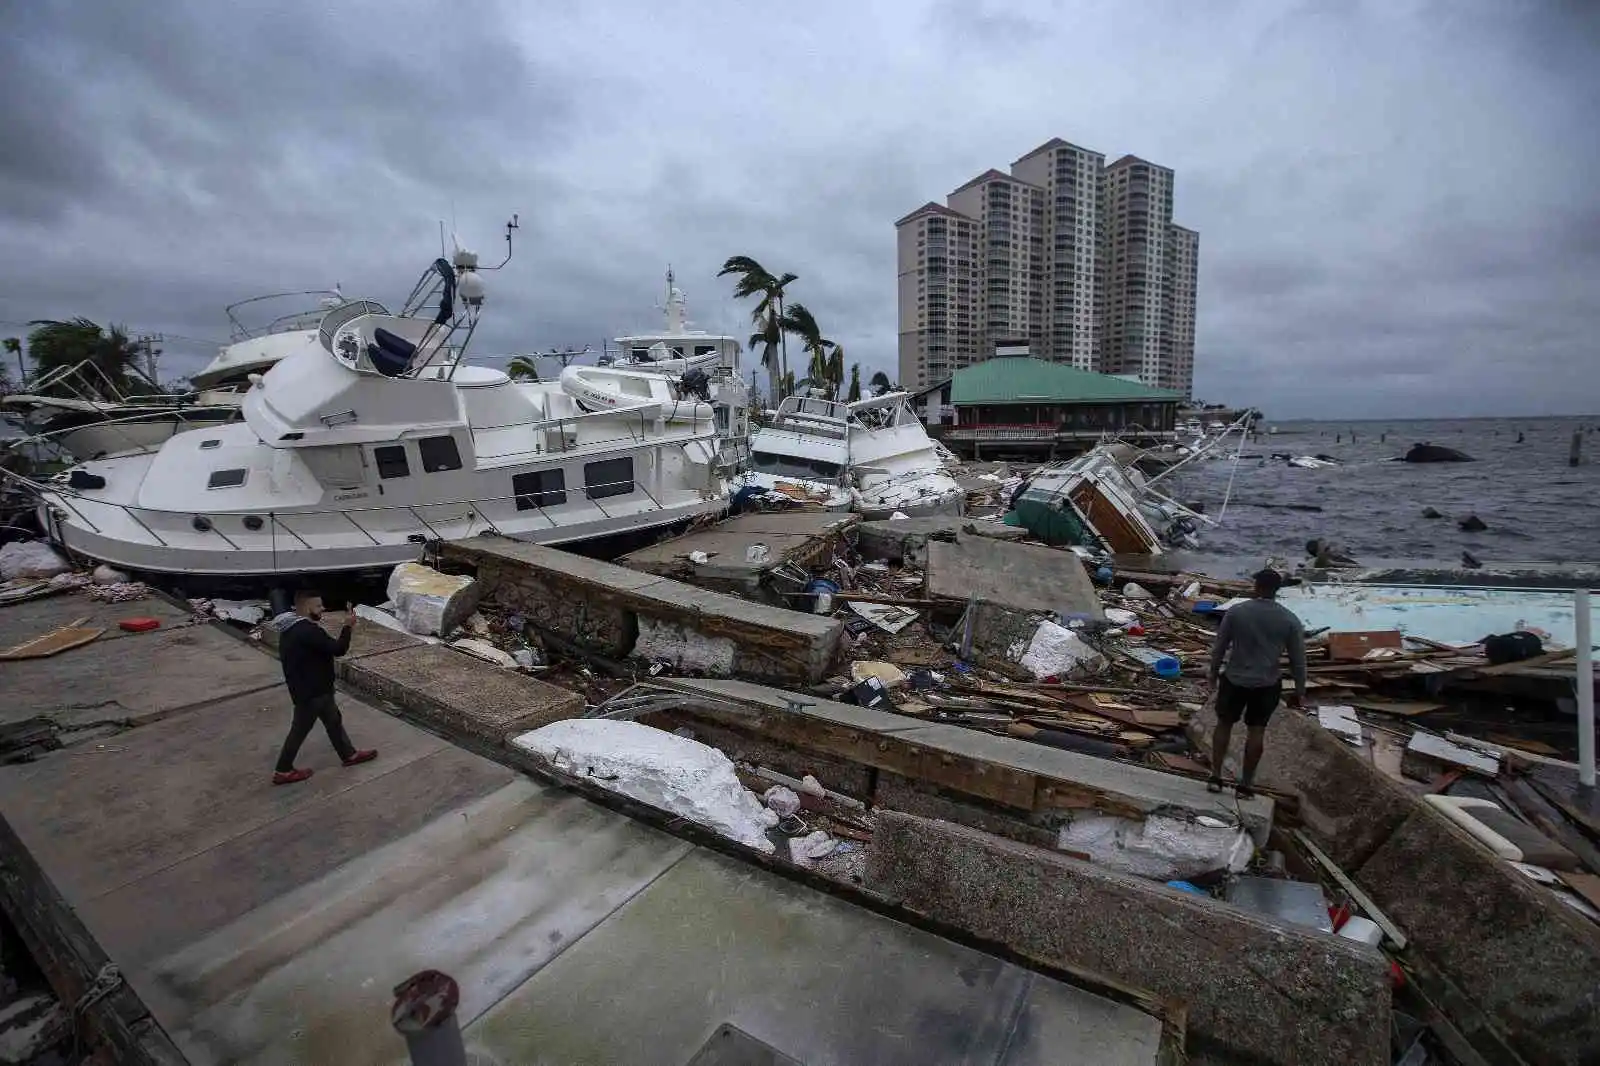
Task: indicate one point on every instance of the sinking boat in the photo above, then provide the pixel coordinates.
(871, 456)
(353, 454)
(1435, 453)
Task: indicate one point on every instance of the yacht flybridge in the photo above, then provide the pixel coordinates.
(872, 456)
(354, 452)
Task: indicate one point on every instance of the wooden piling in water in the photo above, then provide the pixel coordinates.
(1575, 455)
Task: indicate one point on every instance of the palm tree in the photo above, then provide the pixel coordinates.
(14, 347)
(53, 345)
(799, 321)
(768, 338)
(523, 368)
(757, 280)
(836, 369)
(855, 383)
(880, 382)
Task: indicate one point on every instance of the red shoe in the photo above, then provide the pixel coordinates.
(362, 756)
(290, 777)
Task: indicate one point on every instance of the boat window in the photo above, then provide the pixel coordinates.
(540, 488)
(608, 477)
(391, 460)
(226, 479)
(439, 453)
(207, 445)
(705, 349)
(792, 466)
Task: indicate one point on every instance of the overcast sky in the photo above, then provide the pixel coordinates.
(1397, 201)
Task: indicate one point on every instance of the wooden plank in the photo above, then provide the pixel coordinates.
(1352, 646)
(1585, 885)
(1390, 930)
(52, 643)
(1402, 708)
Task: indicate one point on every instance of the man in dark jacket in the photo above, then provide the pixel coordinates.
(307, 654)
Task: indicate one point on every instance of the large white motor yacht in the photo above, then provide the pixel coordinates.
(683, 352)
(354, 452)
(871, 456)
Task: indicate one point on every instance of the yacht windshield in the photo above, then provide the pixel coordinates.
(793, 466)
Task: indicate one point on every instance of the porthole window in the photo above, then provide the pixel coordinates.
(207, 445)
(253, 522)
(201, 524)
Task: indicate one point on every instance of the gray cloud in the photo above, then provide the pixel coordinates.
(1395, 199)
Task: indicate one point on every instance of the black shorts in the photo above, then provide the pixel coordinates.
(1254, 705)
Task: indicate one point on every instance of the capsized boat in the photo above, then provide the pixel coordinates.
(871, 456)
(1101, 501)
(352, 454)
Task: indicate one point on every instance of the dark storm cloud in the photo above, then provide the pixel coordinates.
(1395, 199)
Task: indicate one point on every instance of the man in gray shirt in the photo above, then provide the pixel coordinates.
(1254, 635)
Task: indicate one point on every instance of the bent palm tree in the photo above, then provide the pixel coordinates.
(756, 280)
(855, 383)
(799, 321)
(836, 369)
(523, 368)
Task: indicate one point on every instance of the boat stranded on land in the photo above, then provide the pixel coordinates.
(355, 451)
(872, 456)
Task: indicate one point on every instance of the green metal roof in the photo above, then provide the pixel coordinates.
(1020, 380)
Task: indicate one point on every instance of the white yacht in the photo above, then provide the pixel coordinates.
(871, 456)
(353, 453)
(682, 352)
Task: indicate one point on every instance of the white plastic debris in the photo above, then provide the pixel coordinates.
(813, 846)
(888, 673)
(782, 800)
(898, 516)
(812, 787)
(1341, 719)
(757, 553)
(1056, 651)
(30, 558)
(683, 647)
(1119, 617)
(525, 658)
(1135, 591)
(669, 772)
(109, 575)
(247, 612)
(699, 558)
(1191, 591)
(482, 649)
(428, 602)
(1161, 847)
(887, 617)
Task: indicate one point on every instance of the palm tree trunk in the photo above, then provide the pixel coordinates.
(783, 349)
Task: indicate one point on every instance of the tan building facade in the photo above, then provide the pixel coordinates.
(1079, 259)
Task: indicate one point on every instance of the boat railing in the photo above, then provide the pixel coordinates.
(119, 425)
(368, 521)
(286, 323)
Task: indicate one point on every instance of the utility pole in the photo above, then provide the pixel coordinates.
(148, 342)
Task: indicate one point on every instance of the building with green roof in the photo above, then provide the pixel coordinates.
(1029, 406)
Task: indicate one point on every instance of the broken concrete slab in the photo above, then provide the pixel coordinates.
(817, 979)
(21, 621)
(1026, 778)
(1259, 989)
(905, 540)
(598, 606)
(741, 551)
(1023, 577)
(1345, 802)
(460, 695)
(1528, 965)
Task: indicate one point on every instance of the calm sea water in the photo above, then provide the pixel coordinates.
(1538, 509)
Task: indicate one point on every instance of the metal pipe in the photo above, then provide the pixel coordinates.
(424, 1012)
(1585, 681)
